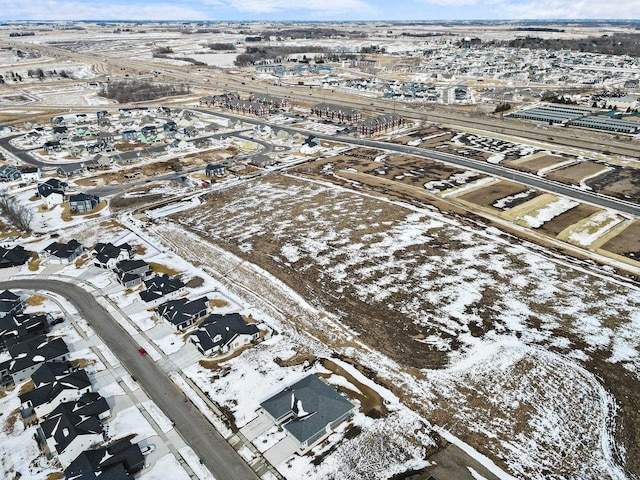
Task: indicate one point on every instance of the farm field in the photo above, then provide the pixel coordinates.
(464, 314)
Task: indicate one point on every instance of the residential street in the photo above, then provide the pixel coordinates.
(216, 454)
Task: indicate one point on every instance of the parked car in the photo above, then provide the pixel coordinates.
(148, 449)
(142, 351)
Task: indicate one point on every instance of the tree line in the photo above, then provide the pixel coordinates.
(139, 91)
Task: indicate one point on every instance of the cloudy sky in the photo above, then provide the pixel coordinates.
(317, 10)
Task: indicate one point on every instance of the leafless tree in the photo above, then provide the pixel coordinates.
(19, 215)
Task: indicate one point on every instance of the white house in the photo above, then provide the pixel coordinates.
(52, 198)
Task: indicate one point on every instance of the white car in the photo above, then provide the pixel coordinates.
(148, 449)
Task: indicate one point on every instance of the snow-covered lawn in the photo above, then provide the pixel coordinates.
(130, 422)
(18, 450)
(463, 290)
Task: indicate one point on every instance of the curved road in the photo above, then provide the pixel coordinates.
(218, 456)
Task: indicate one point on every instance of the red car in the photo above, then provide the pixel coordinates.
(142, 351)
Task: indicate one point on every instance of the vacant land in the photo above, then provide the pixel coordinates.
(425, 290)
(621, 183)
(574, 174)
(489, 195)
(626, 243)
(537, 163)
(570, 217)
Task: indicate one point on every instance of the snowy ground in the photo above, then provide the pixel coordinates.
(439, 274)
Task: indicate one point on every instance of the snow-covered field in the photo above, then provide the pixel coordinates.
(466, 293)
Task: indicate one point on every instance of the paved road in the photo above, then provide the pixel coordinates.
(223, 462)
(481, 166)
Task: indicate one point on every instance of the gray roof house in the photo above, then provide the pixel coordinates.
(182, 313)
(61, 252)
(309, 410)
(71, 169)
(27, 356)
(83, 202)
(131, 273)
(220, 334)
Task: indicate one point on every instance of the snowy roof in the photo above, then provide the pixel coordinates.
(220, 330)
(29, 352)
(113, 462)
(74, 380)
(311, 404)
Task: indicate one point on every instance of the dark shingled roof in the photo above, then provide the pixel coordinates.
(113, 462)
(220, 330)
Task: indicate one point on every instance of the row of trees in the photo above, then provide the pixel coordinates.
(19, 215)
(615, 44)
(140, 91)
(255, 55)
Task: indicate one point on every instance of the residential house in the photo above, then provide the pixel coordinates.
(83, 132)
(83, 202)
(131, 273)
(13, 257)
(30, 174)
(170, 128)
(61, 252)
(312, 141)
(9, 173)
(55, 383)
(52, 198)
(107, 255)
(71, 169)
(177, 145)
(182, 313)
(18, 327)
(68, 433)
(261, 160)
(220, 334)
(119, 461)
(27, 356)
(52, 146)
(102, 114)
(100, 160)
(161, 288)
(308, 411)
(60, 132)
(129, 135)
(10, 304)
(215, 170)
(126, 158)
(52, 184)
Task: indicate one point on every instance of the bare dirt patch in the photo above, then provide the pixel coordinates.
(621, 183)
(536, 164)
(570, 217)
(574, 174)
(488, 195)
(626, 243)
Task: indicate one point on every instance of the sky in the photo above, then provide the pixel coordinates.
(317, 10)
